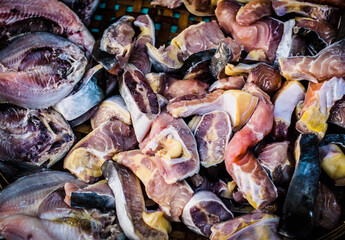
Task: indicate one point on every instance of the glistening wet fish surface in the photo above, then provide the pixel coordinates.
(65, 21)
(32, 135)
(39, 69)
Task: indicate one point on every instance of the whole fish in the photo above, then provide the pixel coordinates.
(25, 195)
(39, 69)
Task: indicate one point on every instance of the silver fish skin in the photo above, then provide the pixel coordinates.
(69, 23)
(39, 137)
(39, 69)
(89, 93)
(25, 195)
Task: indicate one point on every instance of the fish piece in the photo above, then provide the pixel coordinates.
(87, 156)
(116, 45)
(212, 135)
(236, 48)
(88, 92)
(312, 10)
(98, 195)
(326, 64)
(248, 226)
(204, 210)
(201, 8)
(285, 101)
(332, 160)
(196, 38)
(173, 87)
(165, 59)
(172, 143)
(238, 104)
(39, 137)
(196, 66)
(265, 77)
(264, 34)
(297, 218)
(327, 208)
(39, 69)
(25, 195)
(139, 56)
(228, 50)
(242, 165)
(84, 9)
(318, 102)
(252, 180)
(171, 197)
(140, 99)
(113, 106)
(277, 161)
(67, 22)
(337, 114)
(235, 82)
(253, 11)
(167, 3)
(325, 31)
(130, 205)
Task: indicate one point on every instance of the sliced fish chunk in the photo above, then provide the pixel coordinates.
(263, 35)
(238, 104)
(319, 100)
(277, 161)
(130, 205)
(204, 210)
(328, 63)
(171, 198)
(117, 42)
(113, 106)
(139, 56)
(140, 99)
(174, 147)
(212, 136)
(87, 156)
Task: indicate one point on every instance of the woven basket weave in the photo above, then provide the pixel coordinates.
(169, 23)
